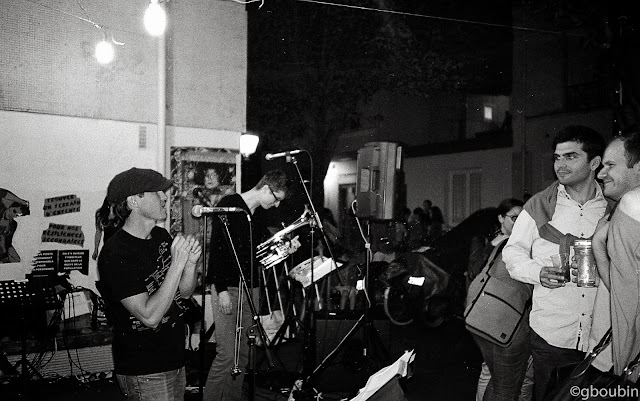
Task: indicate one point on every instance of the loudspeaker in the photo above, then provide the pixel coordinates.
(329, 333)
(380, 189)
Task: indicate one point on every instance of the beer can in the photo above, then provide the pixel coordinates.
(585, 263)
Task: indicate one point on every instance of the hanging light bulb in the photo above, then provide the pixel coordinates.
(155, 19)
(104, 51)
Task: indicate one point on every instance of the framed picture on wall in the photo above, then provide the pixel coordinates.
(202, 176)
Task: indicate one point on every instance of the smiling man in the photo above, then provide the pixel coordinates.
(615, 246)
(570, 208)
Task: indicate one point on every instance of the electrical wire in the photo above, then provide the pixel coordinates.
(249, 1)
(87, 18)
(367, 247)
(435, 17)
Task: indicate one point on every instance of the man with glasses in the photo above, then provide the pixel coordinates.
(226, 287)
(570, 208)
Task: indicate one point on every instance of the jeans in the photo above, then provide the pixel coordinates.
(507, 365)
(545, 358)
(164, 386)
(526, 391)
(221, 385)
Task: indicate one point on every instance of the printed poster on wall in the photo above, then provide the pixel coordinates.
(11, 206)
(202, 176)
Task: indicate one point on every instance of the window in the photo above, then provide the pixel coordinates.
(488, 113)
(465, 189)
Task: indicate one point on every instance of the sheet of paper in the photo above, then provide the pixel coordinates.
(381, 377)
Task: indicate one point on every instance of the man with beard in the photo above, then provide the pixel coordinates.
(568, 209)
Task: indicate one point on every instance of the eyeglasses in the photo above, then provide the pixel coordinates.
(513, 217)
(274, 195)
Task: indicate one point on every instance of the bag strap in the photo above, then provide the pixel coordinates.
(493, 256)
(586, 362)
(635, 362)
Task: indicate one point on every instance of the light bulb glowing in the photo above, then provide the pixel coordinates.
(104, 52)
(248, 144)
(155, 19)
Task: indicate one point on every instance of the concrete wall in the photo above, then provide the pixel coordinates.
(48, 63)
(68, 124)
(52, 156)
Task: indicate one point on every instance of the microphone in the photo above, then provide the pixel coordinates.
(199, 210)
(270, 156)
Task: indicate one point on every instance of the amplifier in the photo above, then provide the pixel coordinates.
(331, 330)
(72, 362)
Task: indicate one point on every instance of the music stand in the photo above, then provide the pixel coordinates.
(18, 294)
(371, 344)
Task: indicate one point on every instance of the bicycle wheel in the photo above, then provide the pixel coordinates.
(397, 307)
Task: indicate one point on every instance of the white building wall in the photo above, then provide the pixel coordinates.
(68, 124)
(428, 177)
(48, 156)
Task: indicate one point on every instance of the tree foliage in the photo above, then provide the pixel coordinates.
(311, 65)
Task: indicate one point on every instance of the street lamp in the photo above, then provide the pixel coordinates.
(248, 144)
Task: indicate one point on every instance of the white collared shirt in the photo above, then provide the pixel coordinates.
(562, 316)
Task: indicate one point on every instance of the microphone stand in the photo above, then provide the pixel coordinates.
(371, 344)
(203, 324)
(310, 341)
(251, 334)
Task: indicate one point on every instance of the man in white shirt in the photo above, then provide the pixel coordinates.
(570, 208)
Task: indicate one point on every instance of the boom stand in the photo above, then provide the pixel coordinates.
(309, 338)
(254, 312)
(373, 349)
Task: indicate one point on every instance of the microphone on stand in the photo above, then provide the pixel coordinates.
(270, 156)
(199, 210)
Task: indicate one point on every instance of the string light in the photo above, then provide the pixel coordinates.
(155, 19)
(104, 52)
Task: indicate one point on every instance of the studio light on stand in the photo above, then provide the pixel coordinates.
(155, 19)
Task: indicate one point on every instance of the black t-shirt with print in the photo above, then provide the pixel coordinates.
(129, 266)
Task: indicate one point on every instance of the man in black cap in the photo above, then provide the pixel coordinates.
(144, 274)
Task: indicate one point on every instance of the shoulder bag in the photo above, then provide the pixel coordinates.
(581, 381)
(496, 303)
